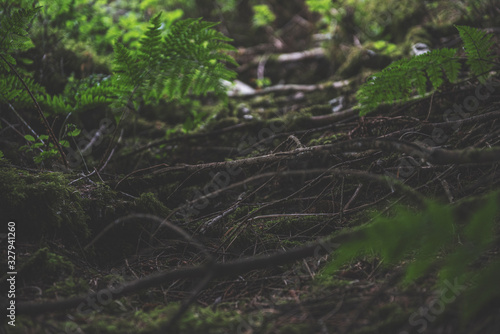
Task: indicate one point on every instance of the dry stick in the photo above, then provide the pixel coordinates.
(433, 155)
(316, 119)
(342, 172)
(281, 215)
(236, 231)
(112, 152)
(262, 66)
(83, 177)
(51, 134)
(341, 200)
(285, 57)
(353, 196)
(335, 117)
(320, 195)
(243, 219)
(11, 126)
(212, 221)
(96, 136)
(474, 119)
(430, 108)
(23, 121)
(390, 181)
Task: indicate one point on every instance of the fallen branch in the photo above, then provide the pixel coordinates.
(432, 155)
(217, 270)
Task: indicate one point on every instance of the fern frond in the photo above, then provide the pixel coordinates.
(477, 46)
(429, 238)
(151, 44)
(56, 104)
(403, 78)
(126, 66)
(14, 35)
(189, 59)
(82, 96)
(400, 80)
(11, 91)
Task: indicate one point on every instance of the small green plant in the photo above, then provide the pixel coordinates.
(403, 78)
(45, 150)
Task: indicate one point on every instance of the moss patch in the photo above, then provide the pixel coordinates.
(43, 205)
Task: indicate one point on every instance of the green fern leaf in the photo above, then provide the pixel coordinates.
(190, 58)
(150, 50)
(477, 45)
(428, 239)
(13, 32)
(403, 78)
(419, 81)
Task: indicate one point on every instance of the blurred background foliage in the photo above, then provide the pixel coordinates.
(76, 37)
(73, 41)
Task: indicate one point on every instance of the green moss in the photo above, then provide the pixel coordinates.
(103, 194)
(42, 205)
(196, 320)
(222, 123)
(71, 286)
(297, 120)
(318, 109)
(45, 265)
(324, 140)
(149, 203)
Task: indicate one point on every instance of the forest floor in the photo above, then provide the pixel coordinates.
(231, 227)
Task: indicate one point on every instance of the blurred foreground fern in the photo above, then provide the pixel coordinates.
(433, 238)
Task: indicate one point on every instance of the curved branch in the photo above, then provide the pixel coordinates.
(216, 269)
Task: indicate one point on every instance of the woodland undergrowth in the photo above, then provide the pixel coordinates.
(338, 206)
